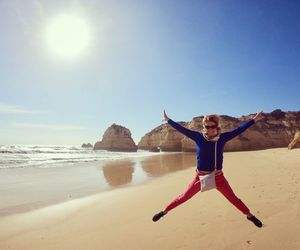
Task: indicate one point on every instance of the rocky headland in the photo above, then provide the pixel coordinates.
(277, 129)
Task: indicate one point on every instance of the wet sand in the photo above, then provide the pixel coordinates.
(25, 189)
(267, 181)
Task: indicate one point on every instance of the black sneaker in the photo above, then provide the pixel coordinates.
(256, 221)
(158, 216)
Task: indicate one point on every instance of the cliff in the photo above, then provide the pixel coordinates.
(277, 129)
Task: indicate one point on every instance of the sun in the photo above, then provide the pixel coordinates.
(67, 36)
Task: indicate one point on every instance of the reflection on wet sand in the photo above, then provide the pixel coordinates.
(118, 172)
(163, 164)
(137, 170)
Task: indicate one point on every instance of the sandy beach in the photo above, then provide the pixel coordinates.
(267, 181)
(25, 189)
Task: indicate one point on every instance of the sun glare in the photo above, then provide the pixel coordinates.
(68, 36)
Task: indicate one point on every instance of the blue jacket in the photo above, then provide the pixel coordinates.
(208, 151)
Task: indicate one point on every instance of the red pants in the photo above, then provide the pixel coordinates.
(222, 186)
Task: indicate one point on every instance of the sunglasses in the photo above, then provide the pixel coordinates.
(212, 127)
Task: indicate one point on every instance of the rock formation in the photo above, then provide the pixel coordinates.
(116, 138)
(275, 130)
(86, 145)
(295, 143)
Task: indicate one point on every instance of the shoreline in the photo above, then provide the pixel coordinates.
(25, 189)
(122, 219)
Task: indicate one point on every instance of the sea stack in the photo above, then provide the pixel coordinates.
(86, 145)
(295, 143)
(116, 138)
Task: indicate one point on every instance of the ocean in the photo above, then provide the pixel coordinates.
(48, 156)
(34, 176)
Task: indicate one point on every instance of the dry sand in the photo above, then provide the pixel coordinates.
(267, 181)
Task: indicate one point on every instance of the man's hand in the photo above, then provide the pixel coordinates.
(259, 116)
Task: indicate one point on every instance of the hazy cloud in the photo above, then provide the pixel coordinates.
(12, 109)
(30, 15)
(47, 126)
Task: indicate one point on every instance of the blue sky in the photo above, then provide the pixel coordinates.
(189, 57)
